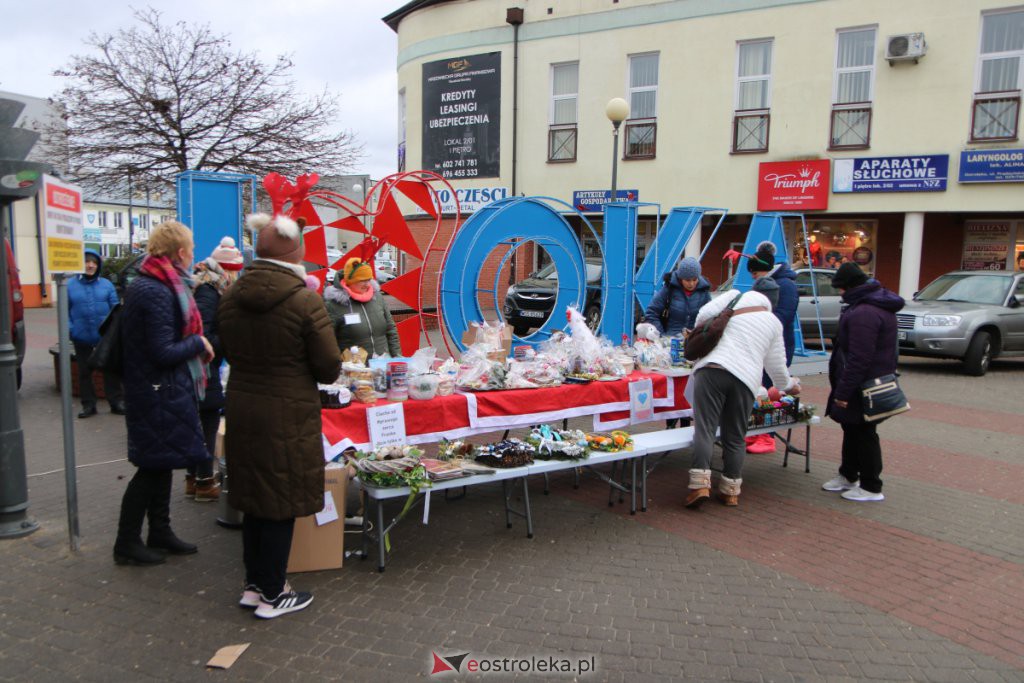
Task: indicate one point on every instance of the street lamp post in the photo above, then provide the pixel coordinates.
(617, 111)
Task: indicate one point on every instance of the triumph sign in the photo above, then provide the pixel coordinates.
(793, 185)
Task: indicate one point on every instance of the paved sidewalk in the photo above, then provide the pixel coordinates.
(794, 585)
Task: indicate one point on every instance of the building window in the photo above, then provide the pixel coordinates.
(853, 86)
(753, 96)
(144, 221)
(401, 130)
(999, 77)
(118, 219)
(101, 219)
(565, 81)
(642, 124)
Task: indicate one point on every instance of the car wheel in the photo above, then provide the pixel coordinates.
(520, 331)
(593, 317)
(979, 354)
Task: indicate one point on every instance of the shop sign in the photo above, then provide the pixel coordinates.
(992, 166)
(461, 116)
(594, 200)
(923, 173)
(986, 245)
(793, 185)
(62, 226)
(470, 199)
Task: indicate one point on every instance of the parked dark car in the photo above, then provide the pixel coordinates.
(971, 315)
(528, 303)
(17, 308)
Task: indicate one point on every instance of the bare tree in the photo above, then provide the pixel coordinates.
(156, 99)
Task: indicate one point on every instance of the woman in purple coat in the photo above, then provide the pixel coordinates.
(864, 349)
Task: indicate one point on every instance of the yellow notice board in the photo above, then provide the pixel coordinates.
(62, 226)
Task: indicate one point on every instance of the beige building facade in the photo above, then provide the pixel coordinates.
(923, 162)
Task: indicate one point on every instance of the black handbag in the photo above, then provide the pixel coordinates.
(882, 398)
(108, 356)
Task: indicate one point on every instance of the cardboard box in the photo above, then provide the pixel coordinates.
(469, 338)
(322, 546)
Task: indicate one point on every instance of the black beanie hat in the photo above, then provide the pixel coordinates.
(763, 260)
(849, 276)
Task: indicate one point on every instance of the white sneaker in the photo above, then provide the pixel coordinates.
(251, 596)
(860, 495)
(354, 520)
(285, 603)
(839, 483)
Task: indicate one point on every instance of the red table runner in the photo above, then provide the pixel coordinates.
(462, 415)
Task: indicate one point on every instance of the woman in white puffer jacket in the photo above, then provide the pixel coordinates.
(726, 381)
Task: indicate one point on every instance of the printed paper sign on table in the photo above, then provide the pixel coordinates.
(62, 226)
(641, 401)
(386, 424)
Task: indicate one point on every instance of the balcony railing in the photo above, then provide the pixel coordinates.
(995, 116)
(641, 139)
(750, 131)
(851, 126)
(562, 143)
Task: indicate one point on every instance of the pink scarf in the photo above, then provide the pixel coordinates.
(162, 270)
(361, 298)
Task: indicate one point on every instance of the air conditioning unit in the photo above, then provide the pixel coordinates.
(904, 47)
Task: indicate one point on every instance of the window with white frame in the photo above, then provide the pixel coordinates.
(101, 219)
(118, 219)
(1000, 76)
(401, 130)
(565, 85)
(753, 96)
(642, 125)
(853, 89)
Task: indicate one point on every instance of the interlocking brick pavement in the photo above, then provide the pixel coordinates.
(794, 585)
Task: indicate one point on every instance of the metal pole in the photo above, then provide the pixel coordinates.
(70, 482)
(131, 221)
(14, 519)
(615, 159)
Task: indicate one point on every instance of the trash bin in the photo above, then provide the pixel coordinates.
(227, 516)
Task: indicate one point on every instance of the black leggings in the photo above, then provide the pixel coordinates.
(266, 544)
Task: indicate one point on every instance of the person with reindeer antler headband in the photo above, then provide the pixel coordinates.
(277, 337)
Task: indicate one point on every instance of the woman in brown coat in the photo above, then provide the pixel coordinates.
(279, 342)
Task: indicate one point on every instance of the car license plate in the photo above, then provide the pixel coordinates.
(532, 314)
(901, 335)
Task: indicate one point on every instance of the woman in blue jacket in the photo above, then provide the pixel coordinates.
(674, 307)
(90, 298)
(165, 358)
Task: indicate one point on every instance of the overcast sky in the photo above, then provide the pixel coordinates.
(340, 44)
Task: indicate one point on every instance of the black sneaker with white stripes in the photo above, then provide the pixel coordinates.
(288, 601)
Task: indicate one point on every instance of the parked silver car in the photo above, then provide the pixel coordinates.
(827, 300)
(971, 315)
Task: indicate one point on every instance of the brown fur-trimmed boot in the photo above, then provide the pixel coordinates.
(700, 488)
(729, 491)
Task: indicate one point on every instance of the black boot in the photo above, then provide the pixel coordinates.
(138, 554)
(88, 410)
(117, 408)
(129, 549)
(159, 510)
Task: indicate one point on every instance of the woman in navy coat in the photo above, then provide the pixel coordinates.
(165, 354)
(864, 349)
